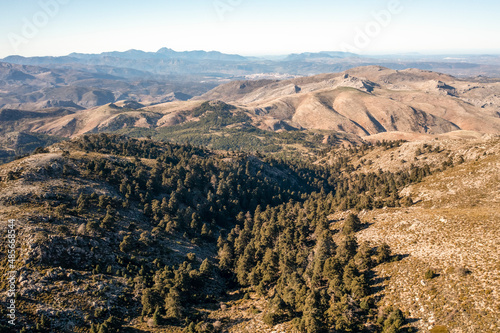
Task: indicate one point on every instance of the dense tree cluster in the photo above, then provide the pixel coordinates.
(291, 255)
(267, 216)
(287, 251)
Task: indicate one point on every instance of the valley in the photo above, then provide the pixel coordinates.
(359, 201)
(111, 228)
(272, 115)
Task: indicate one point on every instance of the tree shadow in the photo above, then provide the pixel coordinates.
(235, 322)
(133, 330)
(411, 329)
(233, 295)
(364, 226)
(412, 320)
(378, 284)
(398, 257)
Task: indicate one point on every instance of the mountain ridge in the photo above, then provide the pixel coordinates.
(422, 99)
(307, 63)
(98, 233)
(315, 111)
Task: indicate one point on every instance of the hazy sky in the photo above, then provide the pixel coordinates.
(249, 27)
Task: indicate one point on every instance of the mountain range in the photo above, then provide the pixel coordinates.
(167, 62)
(164, 95)
(203, 192)
(360, 102)
(87, 80)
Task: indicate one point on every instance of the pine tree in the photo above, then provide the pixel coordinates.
(104, 329)
(173, 307)
(383, 253)
(312, 317)
(206, 267)
(149, 300)
(81, 204)
(205, 231)
(245, 264)
(226, 257)
(108, 221)
(44, 322)
(351, 224)
(127, 244)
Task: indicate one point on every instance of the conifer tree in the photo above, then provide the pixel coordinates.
(173, 307)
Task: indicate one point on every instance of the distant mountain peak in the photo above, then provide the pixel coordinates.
(165, 50)
(320, 55)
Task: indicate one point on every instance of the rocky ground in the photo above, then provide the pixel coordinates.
(453, 230)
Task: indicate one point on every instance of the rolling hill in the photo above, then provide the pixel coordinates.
(137, 235)
(364, 101)
(29, 87)
(372, 100)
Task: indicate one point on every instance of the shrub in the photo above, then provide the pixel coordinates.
(406, 202)
(92, 226)
(271, 318)
(439, 329)
(61, 210)
(40, 150)
(462, 271)
(430, 274)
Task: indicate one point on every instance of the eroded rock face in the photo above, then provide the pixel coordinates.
(447, 89)
(354, 82)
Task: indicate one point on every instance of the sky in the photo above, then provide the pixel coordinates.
(249, 27)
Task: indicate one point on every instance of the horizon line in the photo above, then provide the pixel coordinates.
(272, 54)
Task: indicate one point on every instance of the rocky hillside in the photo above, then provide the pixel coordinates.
(115, 232)
(364, 101)
(372, 100)
(81, 87)
(450, 277)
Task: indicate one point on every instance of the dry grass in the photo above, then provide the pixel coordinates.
(238, 315)
(454, 230)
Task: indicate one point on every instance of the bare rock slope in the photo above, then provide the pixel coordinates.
(371, 100)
